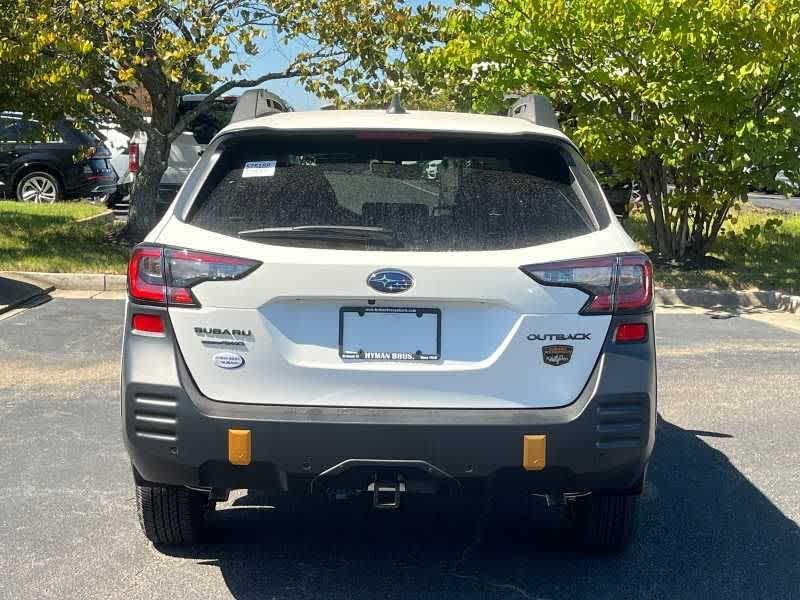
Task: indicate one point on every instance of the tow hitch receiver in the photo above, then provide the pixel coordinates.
(386, 494)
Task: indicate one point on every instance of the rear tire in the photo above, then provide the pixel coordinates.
(40, 187)
(172, 516)
(604, 524)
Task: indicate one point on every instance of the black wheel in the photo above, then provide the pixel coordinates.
(172, 516)
(604, 523)
(39, 187)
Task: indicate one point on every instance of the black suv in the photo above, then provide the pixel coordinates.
(46, 164)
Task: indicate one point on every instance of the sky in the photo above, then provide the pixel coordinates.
(275, 56)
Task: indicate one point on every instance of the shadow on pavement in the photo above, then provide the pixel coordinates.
(705, 532)
(14, 292)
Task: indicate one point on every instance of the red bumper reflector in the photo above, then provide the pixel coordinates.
(629, 333)
(147, 323)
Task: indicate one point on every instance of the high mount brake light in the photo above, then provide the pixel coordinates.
(615, 284)
(165, 276)
(395, 136)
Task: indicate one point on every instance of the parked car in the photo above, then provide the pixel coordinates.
(117, 142)
(189, 146)
(306, 323)
(787, 184)
(781, 182)
(620, 197)
(48, 164)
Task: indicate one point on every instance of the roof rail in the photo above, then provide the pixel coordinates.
(257, 103)
(537, 109)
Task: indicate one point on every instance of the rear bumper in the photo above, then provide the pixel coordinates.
(90, 187)
(601, 442)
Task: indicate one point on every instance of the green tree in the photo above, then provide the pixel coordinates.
(695, 99)
(34, 42)
(171, 47)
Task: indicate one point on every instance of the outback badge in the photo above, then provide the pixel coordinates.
(556, 355)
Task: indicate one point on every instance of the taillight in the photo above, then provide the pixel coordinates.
(634, 283)
(613, 283)
(186, 268)
(165, 276)
(133, 157)
(146, 281)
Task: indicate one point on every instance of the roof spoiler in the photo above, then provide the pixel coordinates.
(252, 104)
(537, 109)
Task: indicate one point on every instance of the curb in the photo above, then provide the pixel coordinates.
(104, 217)
(771, 300)
(72, 281)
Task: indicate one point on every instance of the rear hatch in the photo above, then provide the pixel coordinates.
(95, 157)
(359, 279)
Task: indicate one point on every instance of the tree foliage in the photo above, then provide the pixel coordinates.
(38, 52)
(702, 95)
(94, 53)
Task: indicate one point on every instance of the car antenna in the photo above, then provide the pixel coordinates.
(395, 106)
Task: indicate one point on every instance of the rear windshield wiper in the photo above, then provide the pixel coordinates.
(348, 233)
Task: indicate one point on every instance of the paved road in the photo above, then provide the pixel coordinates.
(775, 201)
(719, 519)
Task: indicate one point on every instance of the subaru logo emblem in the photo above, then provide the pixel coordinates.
(390, 281)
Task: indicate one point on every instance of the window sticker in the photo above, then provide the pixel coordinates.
(259, 168)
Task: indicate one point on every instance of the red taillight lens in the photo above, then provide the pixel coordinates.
(629, 333)
(147, 324)
(593, 275)
(634, 284)
(133, 158)
(613, 283)
(146, 281)
(187, 268)
(165, 275)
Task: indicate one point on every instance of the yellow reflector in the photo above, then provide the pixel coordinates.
(534, 449)
(239, 446)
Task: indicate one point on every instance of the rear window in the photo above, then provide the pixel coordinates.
(396, 193)
(30, 132)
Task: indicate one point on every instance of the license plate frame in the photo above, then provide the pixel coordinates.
(397, 355)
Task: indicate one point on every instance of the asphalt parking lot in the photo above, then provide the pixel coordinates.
(719, 519)
(776, 201)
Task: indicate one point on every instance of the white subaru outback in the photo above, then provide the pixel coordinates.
(316, 317)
